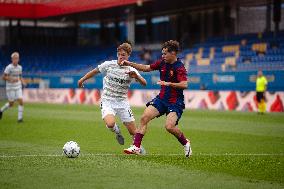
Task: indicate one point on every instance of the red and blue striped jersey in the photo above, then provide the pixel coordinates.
(174, 73)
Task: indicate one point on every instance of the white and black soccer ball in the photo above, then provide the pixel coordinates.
(71, 149)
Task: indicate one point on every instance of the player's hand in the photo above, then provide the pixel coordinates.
(132, 74)
(81, 83)
(163, 83)
(13, 80)
(124, 63)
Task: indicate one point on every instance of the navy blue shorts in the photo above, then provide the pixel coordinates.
(165, 108)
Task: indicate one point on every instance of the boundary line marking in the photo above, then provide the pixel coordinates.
(106, 154)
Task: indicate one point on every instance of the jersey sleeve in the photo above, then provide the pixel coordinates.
(103, 67)
(181, 74)
(156, 65)
(7, 70)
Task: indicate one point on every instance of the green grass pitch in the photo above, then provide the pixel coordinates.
(230, 150)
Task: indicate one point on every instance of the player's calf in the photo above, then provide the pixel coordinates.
(4, 108)
(172, 129)
(145, 119)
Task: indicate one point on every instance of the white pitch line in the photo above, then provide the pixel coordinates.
(224, 154)
(102, 154)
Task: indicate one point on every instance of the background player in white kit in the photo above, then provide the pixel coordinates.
(116, 83)
(13, 77)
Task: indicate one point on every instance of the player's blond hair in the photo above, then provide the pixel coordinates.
(15, 54)
(126, 47)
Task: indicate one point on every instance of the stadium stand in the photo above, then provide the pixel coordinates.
(237, 53)
(247, 52)
(68, 60)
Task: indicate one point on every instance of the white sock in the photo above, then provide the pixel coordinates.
(5, 107)
(20, 112)
(115, 129)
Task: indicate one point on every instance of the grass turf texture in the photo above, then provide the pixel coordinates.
(230, 150)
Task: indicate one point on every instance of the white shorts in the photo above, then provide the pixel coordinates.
(14, 94)
(121, 108)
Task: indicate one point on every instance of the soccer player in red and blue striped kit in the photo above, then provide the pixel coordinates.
(170, 101)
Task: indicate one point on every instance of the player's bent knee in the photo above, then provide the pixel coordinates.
(21, 102)
(110, 125)
(109, 121)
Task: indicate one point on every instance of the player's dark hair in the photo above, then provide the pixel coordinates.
(171, 45)
(126, 47)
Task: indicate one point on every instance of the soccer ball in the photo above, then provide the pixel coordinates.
(71, 149)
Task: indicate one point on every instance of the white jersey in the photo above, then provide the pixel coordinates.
(116, 81)
(14, 72)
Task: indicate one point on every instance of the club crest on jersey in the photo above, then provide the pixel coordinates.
(171, 73)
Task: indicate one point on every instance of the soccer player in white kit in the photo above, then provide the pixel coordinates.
(116, 83)
(13, 77)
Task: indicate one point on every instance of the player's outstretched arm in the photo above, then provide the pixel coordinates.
(180, 85)
(87, 76)
(139, 67)
(7, 78)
